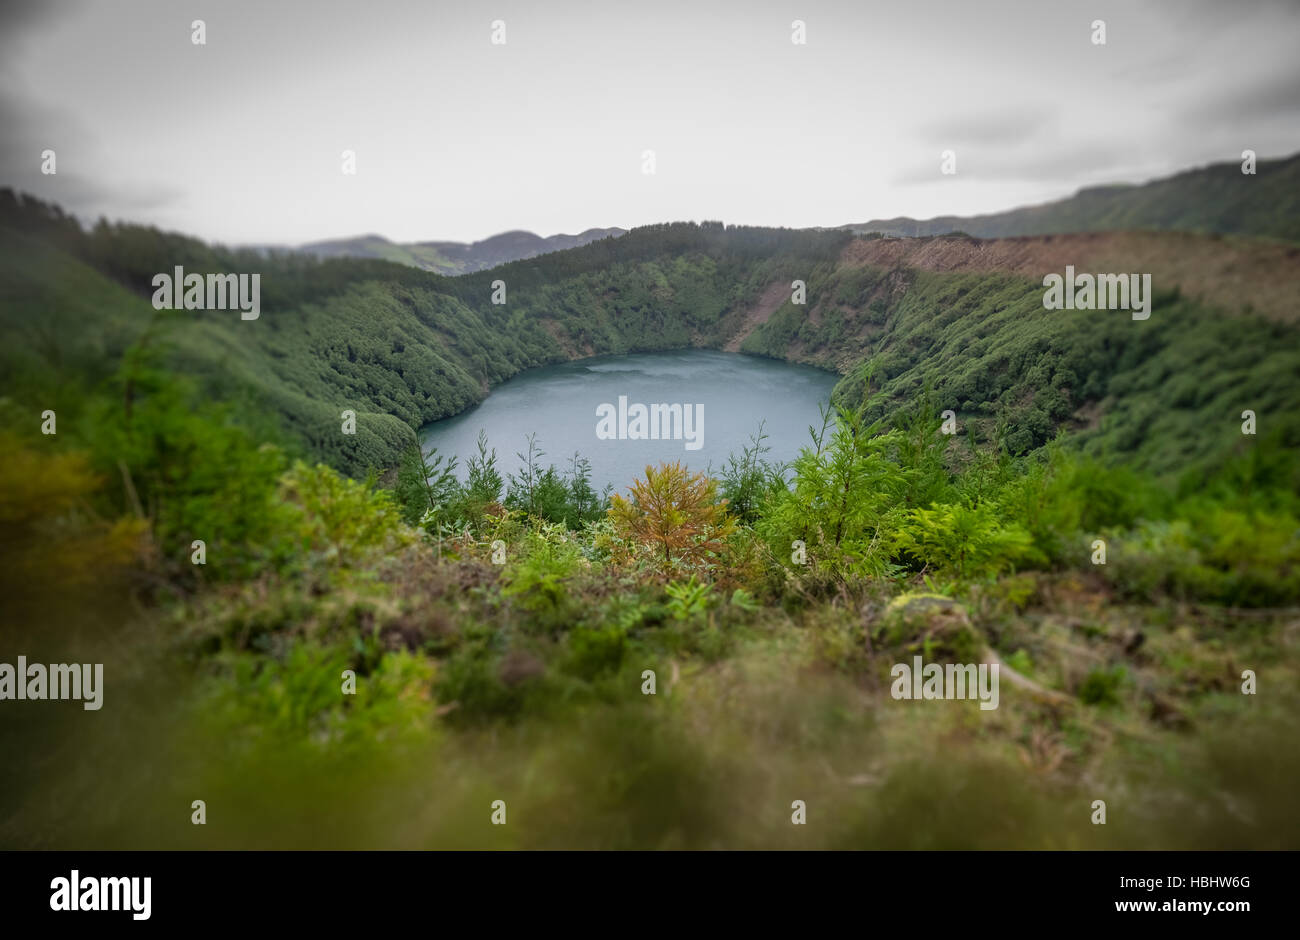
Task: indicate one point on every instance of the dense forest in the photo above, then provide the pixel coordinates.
(201, 523)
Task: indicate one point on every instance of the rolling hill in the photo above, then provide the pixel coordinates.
(1217, 198)
(455, 257)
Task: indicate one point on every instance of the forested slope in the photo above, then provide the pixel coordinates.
(402, 347)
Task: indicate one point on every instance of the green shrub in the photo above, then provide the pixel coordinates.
(297, 701)
(536, 577)
(596, 651)
(842, 503)
(1101, 686)
(967, 541)
(688, 598)
(341, 521)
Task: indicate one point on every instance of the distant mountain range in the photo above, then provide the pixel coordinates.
(1214, 199)
(456, 257)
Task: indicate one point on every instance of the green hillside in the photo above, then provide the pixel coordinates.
(1165, 393)
(1217, 198)
(402, 347)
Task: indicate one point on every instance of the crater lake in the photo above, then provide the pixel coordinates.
(721, 400)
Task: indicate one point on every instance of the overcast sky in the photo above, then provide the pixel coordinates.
(239, 140)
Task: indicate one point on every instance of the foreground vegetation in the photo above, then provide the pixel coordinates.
(501, 651)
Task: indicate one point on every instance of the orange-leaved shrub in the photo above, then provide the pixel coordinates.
(676, 517)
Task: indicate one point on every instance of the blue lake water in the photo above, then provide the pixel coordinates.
(560, 403)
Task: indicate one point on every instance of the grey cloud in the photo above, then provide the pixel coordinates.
(1272, 97)
(1007, 128)
(19, 15)
(1071, 166)
(458, 138)
(76, 187)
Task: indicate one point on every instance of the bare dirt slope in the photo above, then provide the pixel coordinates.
(1235, 274)
(776, 294)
